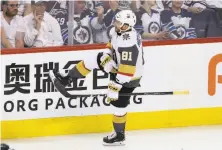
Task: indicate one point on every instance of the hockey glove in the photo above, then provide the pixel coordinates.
(107, 63)
(113, 91)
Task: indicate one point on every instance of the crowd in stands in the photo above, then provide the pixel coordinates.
(46, 23)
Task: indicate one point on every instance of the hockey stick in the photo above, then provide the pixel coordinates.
(134, 94)
(65, 93)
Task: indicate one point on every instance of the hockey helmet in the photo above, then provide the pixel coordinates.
(126, 17)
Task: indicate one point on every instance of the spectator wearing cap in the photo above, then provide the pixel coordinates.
(42, 29)
(12, 24)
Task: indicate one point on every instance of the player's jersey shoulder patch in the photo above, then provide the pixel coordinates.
(129, 38)
(126, 36)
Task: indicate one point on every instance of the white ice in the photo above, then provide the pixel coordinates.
(191, 138)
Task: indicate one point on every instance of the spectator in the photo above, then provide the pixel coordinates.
(194, 6)
(102, 24)
(42, 29)
(135, 5)
(178, 22)
(90, 4)
(59, 10)
(214, 3)
(82, 33)
(12, 23)
(217, 7)
(205, 24)
(105, 4)
(125, 4)
(4, 41)
(148, 22)
(24, 8)
(163, 5)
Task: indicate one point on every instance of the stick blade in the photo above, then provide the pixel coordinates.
(181, 92)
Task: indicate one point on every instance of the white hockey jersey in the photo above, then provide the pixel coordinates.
(179, 25)
(148, 23)
(82, 33)
(127, 52)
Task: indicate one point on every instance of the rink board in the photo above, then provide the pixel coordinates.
(102, 123)
(41, 111)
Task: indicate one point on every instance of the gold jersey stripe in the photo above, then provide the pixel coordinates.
(82, 69)
(127, 69)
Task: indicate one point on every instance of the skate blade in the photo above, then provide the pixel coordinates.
(114, 144)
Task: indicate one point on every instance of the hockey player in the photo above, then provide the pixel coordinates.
(102, 23)
(125, 64)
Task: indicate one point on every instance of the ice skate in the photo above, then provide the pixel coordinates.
(114, 139)
(60, 80)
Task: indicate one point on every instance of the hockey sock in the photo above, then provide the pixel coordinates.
(119, 123)
(79, 70)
